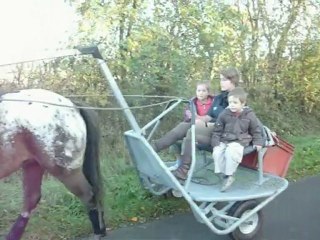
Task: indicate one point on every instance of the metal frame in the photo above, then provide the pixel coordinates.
(217, 220)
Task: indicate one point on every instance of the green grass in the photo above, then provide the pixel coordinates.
(61, 216)
(306, 160)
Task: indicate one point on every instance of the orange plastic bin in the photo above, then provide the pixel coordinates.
(276, 159)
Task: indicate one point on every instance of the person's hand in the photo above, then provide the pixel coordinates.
(200, 118)
(258, 147)
(188, 114)
(199, 122)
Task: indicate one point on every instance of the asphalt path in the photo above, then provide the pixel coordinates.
(293, 215)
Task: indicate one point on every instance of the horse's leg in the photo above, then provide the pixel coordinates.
(76, 182)
(32, 178)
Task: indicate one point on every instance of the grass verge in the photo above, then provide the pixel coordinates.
(306, 160)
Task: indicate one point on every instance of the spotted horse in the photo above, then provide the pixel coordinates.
(42, 131)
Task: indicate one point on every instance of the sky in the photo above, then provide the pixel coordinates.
(32, 26)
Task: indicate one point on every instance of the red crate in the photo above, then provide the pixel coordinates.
(276, 159)
(250, 160)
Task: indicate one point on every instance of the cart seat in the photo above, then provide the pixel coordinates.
(206, 147)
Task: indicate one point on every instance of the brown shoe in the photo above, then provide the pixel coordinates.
(181, 173)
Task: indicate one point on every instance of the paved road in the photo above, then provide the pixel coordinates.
(293, 215)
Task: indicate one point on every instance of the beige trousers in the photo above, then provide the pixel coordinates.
(227, 157)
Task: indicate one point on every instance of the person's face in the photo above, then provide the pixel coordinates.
(234, 104)
(226, 84)
(202, 92)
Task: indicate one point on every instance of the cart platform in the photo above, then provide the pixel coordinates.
(205, 185)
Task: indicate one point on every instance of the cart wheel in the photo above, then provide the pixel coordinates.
(252, 227)
(173, 194)
(176, 193)
(168, 194)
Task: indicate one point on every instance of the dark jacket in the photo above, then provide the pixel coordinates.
(219, 104)
(192, 102)
(244, 128)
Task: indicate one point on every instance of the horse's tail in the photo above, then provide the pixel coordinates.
(91, 164)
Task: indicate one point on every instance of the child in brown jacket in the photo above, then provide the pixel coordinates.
(236, 127)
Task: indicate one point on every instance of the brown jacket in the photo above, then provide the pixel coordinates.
(244, 129)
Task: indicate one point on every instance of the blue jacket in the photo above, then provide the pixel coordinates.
(220, 102)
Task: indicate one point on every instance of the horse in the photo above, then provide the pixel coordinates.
(44, 132)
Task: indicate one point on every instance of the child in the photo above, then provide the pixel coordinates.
(236, 127)
(201, 103)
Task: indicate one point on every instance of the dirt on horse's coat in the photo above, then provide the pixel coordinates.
(27, 111)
